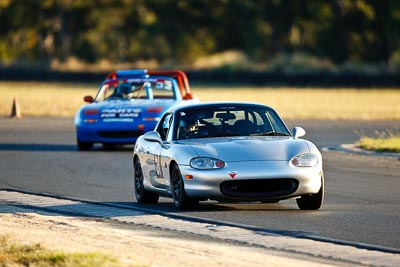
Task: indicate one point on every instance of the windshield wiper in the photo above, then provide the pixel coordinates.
(281, 134)
(271, 133)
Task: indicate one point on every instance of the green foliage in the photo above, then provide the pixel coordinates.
(394, 61)
(119, 31)
(299, 63)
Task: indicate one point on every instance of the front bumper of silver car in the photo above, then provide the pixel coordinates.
(252, 181)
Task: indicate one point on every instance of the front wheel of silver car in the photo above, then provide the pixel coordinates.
(312, 201)
(142, 195)
(181, 200)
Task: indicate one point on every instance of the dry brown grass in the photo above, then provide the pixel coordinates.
(315, 103)
(12, 254)
(63, 99)
(44, 99)
(384, 141)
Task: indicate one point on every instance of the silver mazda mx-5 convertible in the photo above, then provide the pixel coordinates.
(226, 151)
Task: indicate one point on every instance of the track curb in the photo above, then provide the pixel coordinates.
(317, 247)
(354, 149)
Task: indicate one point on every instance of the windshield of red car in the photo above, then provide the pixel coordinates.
(136, 89)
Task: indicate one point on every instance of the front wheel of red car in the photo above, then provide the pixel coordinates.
(312, 201)
(181, 199)
(84, 146)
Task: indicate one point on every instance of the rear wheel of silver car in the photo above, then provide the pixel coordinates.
(312, 201)
(142, 195)
(181, 200)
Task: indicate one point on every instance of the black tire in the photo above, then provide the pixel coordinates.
(84, 146)
(141, 194)
(181, 200)
(312, 201)
(109, 146)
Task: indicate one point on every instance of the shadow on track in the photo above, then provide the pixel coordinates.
(59, 148)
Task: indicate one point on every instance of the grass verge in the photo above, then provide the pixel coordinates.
(64, 99)
(35, 255)
(384, 142)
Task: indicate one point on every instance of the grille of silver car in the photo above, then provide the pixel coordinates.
(260, 188)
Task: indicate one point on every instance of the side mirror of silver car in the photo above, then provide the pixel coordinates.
(153, 136)
(298, 132)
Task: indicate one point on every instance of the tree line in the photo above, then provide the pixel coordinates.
(178, 32)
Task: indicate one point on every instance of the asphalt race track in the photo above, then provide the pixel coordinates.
(362, 202)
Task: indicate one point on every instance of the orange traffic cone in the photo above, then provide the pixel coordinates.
(15, 111)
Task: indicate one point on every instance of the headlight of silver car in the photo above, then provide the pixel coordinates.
(304, 160)
(205, 163)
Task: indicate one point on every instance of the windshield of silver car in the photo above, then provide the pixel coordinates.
(217, 121)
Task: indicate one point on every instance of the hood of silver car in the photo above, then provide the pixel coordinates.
(230, 149)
